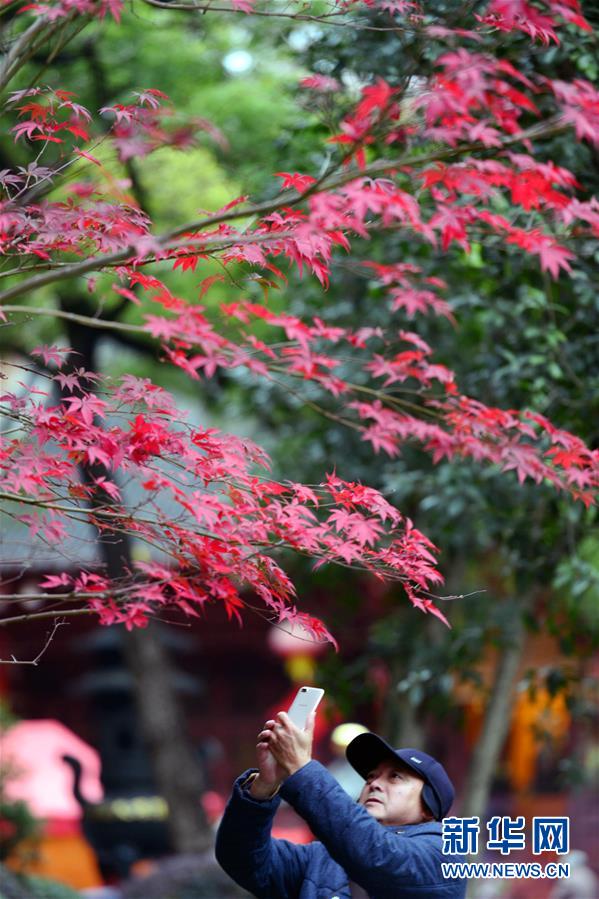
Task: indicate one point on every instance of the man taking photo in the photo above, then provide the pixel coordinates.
(387, 845)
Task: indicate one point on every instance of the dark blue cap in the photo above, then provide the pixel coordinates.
(366, 751)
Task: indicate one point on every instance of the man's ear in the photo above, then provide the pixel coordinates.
(427, 815)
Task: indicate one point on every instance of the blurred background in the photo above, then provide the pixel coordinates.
(507, 699)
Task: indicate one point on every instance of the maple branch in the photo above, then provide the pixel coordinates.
(44, 597)
(291, 198)
(88, 320)
(27, 45)
(207, 7)
(315, 406)
(112, 325)
(96, 263)
(357, 388)
(324, 19)
(394, 400)
(24, 47)
(111, 516)
(118, 520)
(72, 595)
(64, 38)
(30, 616)
(50, 636)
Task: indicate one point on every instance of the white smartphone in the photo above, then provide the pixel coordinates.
(306, 701)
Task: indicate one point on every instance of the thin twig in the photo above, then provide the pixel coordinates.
(30, 616)
(49, 637)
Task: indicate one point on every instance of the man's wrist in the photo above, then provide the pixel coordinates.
(298, 767)
(260, 790)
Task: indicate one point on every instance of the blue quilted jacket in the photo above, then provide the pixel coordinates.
(389, 862)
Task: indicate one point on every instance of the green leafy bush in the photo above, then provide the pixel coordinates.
(17, 824)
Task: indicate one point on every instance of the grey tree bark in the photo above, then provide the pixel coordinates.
(178, 772)
(496, 721)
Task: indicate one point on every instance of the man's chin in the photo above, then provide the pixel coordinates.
(376, 809)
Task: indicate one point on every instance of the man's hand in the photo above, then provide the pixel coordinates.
(270, 773)
(291, 747)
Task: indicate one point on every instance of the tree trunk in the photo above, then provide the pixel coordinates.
(177, 770)
(496, 721)
(401, 725)
(410, 730)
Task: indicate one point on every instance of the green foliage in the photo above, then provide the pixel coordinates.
(7, 716)
(520, 341)
(577, 596)
(131, 56)
(17, 825)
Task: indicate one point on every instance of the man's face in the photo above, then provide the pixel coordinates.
(392, 794)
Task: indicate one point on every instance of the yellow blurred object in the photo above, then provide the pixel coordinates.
(68, 859)
(345, 733)
(541, 714)
(300, 669)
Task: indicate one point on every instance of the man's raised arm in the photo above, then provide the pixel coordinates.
(268, 868)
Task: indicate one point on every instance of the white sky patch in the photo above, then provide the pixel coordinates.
(237, 62)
